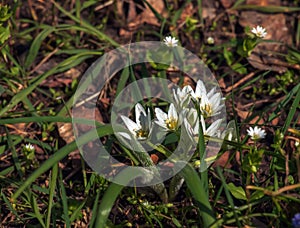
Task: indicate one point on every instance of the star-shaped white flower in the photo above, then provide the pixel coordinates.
(256, 133)
(193, 126)
(259, 32)
(170, 41)
(182, 96)
(168, 121)
(141, 128)
(199, 91)
(210, 103)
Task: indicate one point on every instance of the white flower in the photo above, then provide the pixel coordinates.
(210, 103)
(29, 147)
(259, 32)
(212, 130)
(193, 129)
(210, 40)
(182, 96)
(256, 133)
(200, 90)
(168, 121)
(141, 128)
(170, 41)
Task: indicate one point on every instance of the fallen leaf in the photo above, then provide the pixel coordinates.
(135, 20)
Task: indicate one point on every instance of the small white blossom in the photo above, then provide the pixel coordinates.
(210, 40)
(168, 121)
(170, 41)
(256, 133)
(29, 147)
(259, 32)
(141, 128)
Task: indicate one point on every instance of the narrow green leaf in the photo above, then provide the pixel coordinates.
(294, 107)
(112, 193)
(52, 188)
(237, 192)
(36, 44)
(228, 196)
(199, 193)
(14, 153)
(64, 200)
(95, 208)
(36, 211)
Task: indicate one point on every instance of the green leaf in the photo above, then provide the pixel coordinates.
(256, 195)
(237, 192)
(197, 189)
(36, 44)
(228, 56)
(176, 222)
(239, 68)
(112, 193)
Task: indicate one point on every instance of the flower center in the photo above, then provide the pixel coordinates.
(207, 110)
(141, 133)
(171, 123)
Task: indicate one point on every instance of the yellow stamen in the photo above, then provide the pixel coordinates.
(207, 108)
(171, 123)
(141, 133)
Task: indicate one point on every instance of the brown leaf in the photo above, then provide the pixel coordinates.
(135, 20)
(223, 161)
(227, 3)
(66, 129)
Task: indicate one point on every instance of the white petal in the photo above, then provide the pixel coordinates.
(138, 110)
(160, 115)
(172, 113)
(132, 126)
(213, 128)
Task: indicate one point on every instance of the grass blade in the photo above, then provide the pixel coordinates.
(112, 193)
(64, 200)
(36, 44)
(199, 193)
(51, 194)
(294, 107)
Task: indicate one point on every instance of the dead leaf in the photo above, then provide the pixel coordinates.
(208, 10)
(222, 161)
(135, 20)
(66, 129)
(227, 3)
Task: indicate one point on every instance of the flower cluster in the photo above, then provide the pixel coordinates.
(206, 105)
